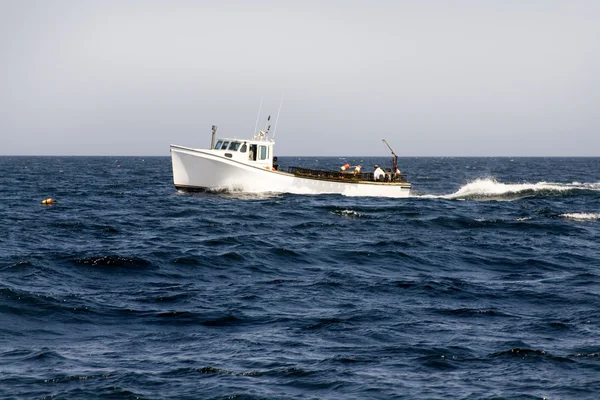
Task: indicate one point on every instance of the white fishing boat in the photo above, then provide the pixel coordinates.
(248, 165)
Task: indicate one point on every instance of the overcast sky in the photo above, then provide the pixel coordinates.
(435, 78)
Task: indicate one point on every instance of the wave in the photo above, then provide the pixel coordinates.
(491, 189)
(581, 216)
(114, 261)
(347, 213)
(520, 352)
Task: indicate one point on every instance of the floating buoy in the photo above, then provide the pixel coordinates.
(48, 202)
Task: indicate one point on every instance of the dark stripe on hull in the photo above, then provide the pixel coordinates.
(192, 188)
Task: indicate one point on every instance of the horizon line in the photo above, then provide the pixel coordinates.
(306, 156)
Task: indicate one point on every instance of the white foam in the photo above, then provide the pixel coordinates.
(349, 213)
(251, 195)
(523, 219)
(582, 216)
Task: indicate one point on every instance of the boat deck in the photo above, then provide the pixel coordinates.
(340, 176)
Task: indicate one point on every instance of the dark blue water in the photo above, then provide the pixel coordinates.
(484, 284)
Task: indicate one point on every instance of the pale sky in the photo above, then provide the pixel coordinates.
(435, 78)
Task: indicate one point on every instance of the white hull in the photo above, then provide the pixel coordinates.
(195, 169)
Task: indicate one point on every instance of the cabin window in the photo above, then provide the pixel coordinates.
(218, 145)
(234, 146)
(264, 153)
(225, 144)
(244, 148)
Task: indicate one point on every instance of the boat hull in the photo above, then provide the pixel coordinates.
(195, 169)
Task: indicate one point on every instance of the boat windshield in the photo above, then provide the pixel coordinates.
(225, 144)
(234, 146)
(218, 145)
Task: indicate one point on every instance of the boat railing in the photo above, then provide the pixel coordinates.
(393, 177)
(345, 176)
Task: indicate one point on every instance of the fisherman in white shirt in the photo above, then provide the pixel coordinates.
(378, 174)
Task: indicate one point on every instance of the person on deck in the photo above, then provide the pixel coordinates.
(378, 174)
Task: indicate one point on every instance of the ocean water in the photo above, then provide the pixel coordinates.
(485, 284)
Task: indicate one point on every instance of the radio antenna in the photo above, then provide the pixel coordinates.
(277, 120)
(257, 117)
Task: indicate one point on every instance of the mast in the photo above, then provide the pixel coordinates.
(394, 158)
(267, 126)
(212, 140)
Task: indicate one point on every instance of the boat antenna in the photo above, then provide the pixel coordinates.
(277, 120)
(258, 116)
(395, 158)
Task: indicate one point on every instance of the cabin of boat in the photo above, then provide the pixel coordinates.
(257, 151)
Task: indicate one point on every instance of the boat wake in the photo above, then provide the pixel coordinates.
(245, 195)
(489, 189)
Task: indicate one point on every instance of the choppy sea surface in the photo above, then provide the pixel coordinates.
(484, 284)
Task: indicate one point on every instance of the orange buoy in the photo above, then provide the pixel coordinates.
(48, 202)
(344, 167)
